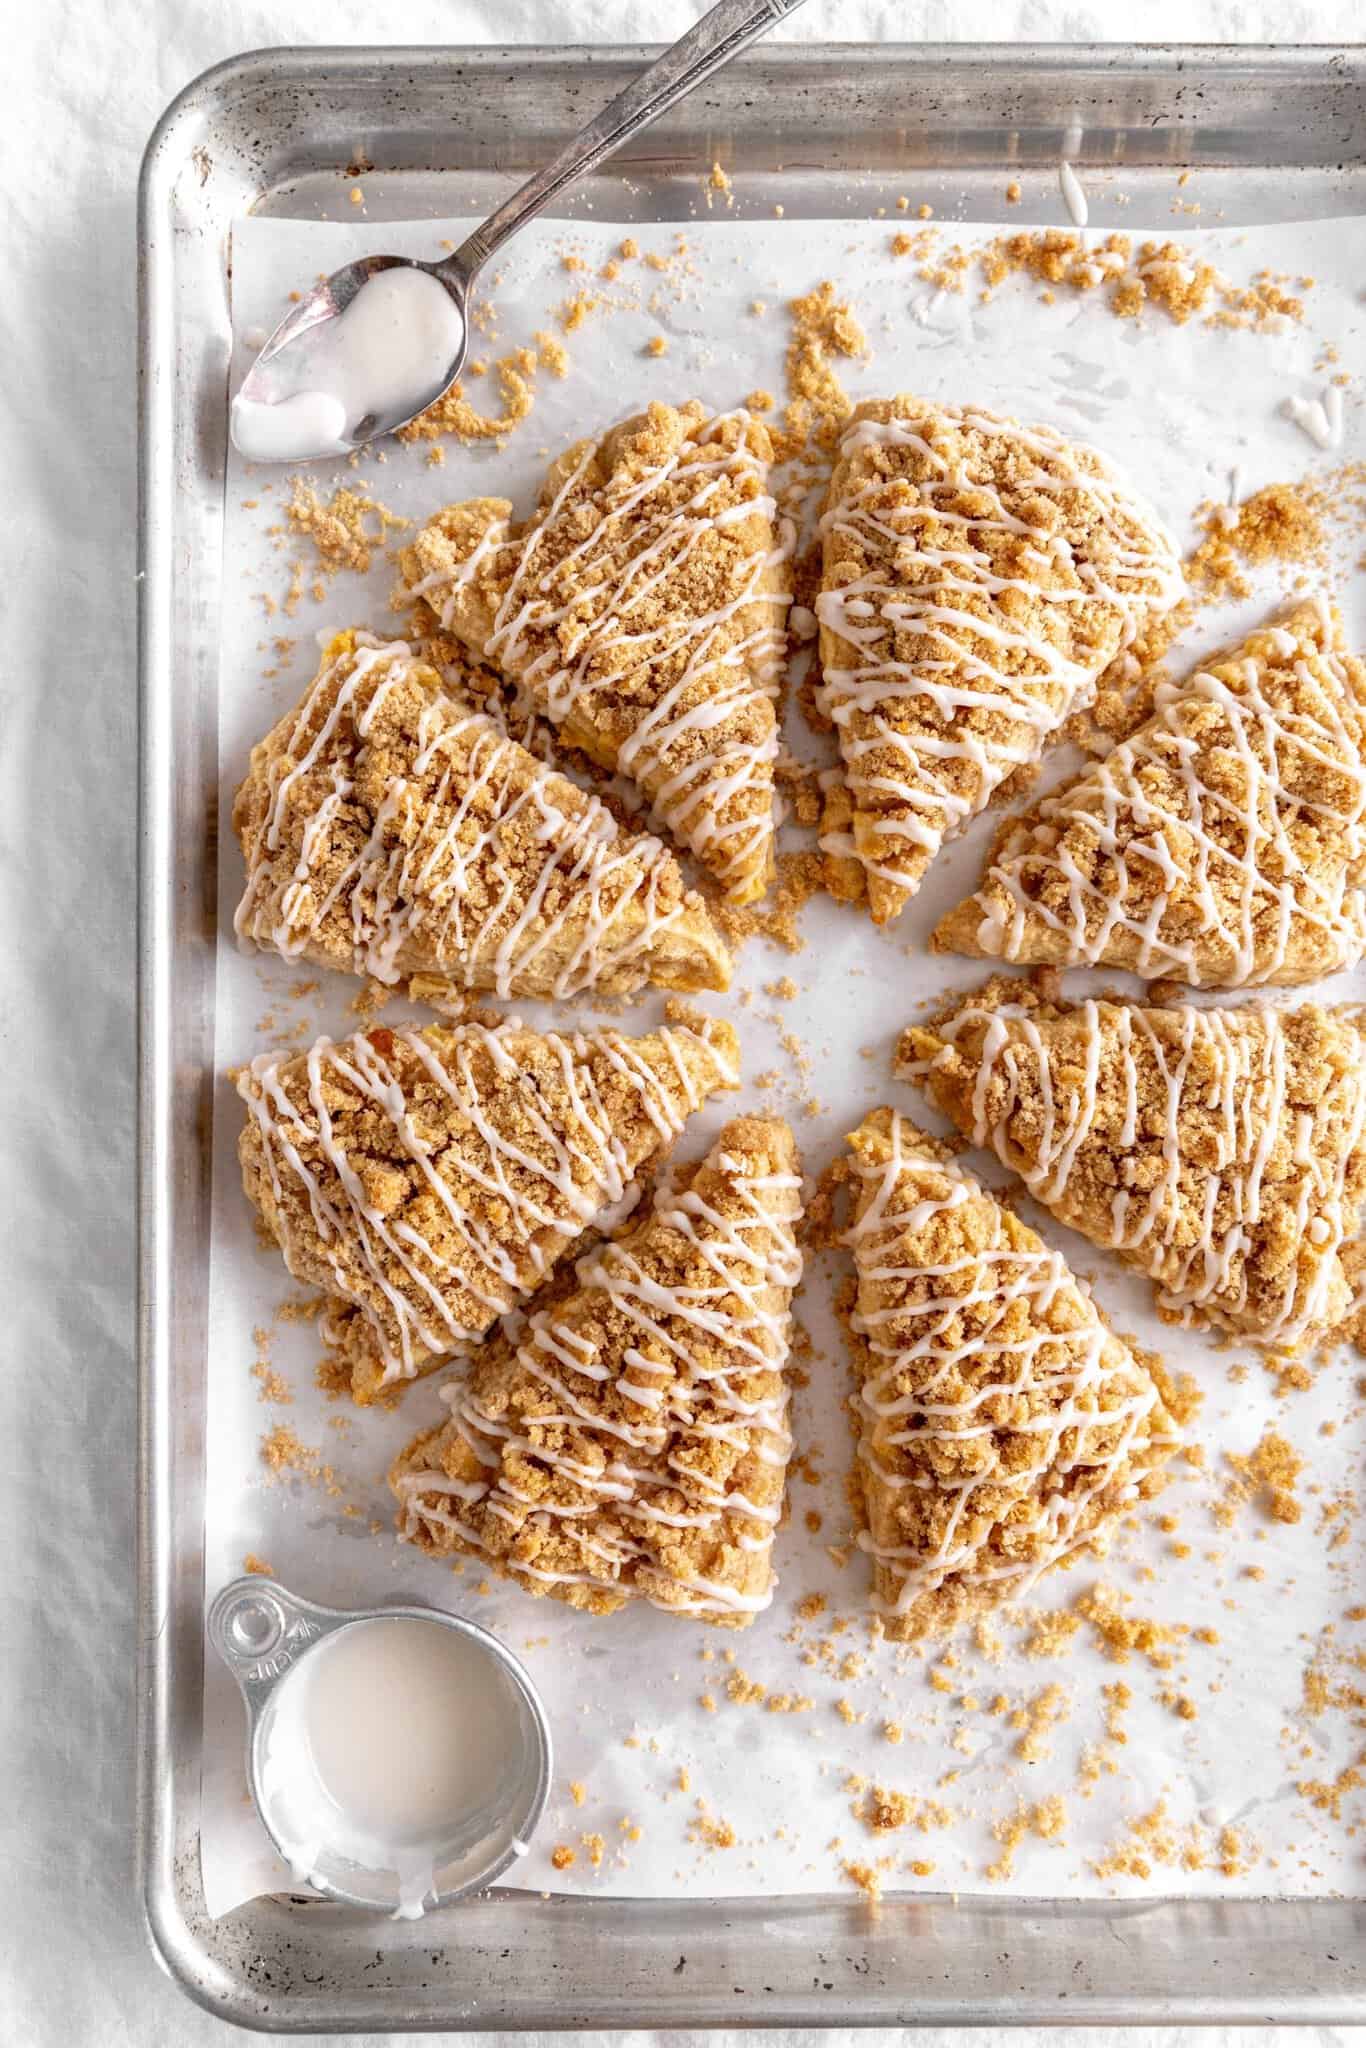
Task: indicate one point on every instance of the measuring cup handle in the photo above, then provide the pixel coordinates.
(258, 1628)
(720, 35)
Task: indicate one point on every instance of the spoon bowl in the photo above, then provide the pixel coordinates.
(361, 354)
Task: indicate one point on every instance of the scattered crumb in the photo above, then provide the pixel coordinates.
(1266, 1476)
(345, 530)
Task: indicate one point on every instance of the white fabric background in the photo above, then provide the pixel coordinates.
(81, 83)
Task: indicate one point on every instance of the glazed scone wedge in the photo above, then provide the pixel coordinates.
(641, 609)
(1222, 844)
(1219, 1151)
(390, 828)
(977, 577)
(634, 1444)
(429, 1181)
(1002, 1427)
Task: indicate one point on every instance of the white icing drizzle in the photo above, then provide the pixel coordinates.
(620, 1430)
(576, 657)
(1289, 746)
(1229, 1068)
(430, 886)
(1073, 197)
(1056, 1422)
(1320, 418)
(543, 1202)
(976, 654)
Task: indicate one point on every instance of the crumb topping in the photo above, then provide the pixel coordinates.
(1002, 1427)
(430, 1180)
(1220, 1151)
(1223, 844)
(635, 1443)
(978, 578)
(641, 609)
(390, 830)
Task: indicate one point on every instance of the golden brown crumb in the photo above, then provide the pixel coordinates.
(866, 1878)
(709, 1830)
(274, 1387)
(1121, 1634)
(742, 1691)
(453, 415)
(1267, 1475)
(1282, 523)
(562, 1856)
(1036, 1722)
(1047, 1820)
(800, 876)
(257, 1566)
(283, 1454)
(824, 330)
(346, 529)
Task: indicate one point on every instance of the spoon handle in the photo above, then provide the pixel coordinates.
(720, 35)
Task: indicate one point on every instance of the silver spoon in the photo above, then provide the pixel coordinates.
(282, 413)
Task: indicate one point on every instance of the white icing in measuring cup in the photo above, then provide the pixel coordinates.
(398, 1758)
(387, 355)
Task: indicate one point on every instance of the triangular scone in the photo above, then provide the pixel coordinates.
(1222, 844)
(1220, 1151)
(641, 609)
(635, 1443)
(430, 1180)
(389, 830)
(1002, 1426)
(978, 576)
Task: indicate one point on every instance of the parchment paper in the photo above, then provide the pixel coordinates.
(1180, 408)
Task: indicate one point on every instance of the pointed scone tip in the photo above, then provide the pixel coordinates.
(1222, 844)
(1221, 1152)
(978, 577)
(389, 830)
(642, 610)
(634, 1444)
(1002, 1427)
(429, 1181)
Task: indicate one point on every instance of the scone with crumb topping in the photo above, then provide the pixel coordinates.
(429, 1181)
(392, 828)
(634, 1443)
(1222, 844)
(1002, 1427)
(978, 576)
(641, 610)
(1219, 1151)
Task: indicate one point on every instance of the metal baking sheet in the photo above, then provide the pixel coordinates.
(1276, 135)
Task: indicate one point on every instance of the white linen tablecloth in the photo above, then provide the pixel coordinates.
(83, 83)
